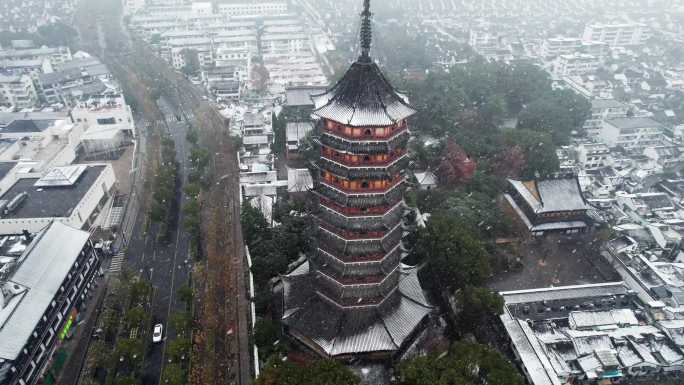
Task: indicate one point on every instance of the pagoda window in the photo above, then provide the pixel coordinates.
(367, 158)
(368, 132)
(364, 184)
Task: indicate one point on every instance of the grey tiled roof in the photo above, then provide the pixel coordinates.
(363, 97)
(339, 332)
(552, 195)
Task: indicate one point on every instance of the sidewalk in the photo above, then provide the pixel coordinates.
(77, 347)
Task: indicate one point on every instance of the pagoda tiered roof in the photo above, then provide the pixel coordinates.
(363, 97)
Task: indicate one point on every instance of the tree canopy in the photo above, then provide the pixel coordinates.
(466, 364)
(323, 372)
(454, 255)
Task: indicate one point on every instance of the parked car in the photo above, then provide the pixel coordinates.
(157, 333)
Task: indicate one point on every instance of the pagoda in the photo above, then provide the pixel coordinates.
(353, 296)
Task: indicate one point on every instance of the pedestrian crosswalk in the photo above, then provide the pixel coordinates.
(117, 263)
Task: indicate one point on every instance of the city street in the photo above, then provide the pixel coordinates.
(166, 265)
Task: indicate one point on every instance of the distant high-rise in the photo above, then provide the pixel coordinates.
(353, 296)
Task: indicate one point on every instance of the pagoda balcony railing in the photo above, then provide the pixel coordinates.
(361, 281)
(363, 189)
(359, 133)
(398, 142)
(379, 222)
(362, 258)
(343, 288)
(381, 265)
(356, 224)
(356, 211)
(336, 244)
(366, 201)
(352, 160)
(387, 172)
(357, 304)
(355, 235)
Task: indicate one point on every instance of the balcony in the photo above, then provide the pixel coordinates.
(354, 160)
(362, 172)
(352, 235)
(353, 291)
(355, 211)
(360, 187)
(326, 253)
(334, 241)
(364, 133)
(360, 201)
(390, 145)
(381, 264)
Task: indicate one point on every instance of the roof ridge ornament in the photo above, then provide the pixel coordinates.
(366, 32)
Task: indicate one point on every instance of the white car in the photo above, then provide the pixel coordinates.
(157, 333)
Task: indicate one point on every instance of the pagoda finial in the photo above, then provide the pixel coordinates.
(366, 31)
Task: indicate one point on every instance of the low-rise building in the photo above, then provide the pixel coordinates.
(55, 55)
(603, 109)
(631, 133)
(557, 46)
(45, 282)
(549, 205)
(295, 132)
(253, 7)
(575, 64)
(589, 334)
(72, 195)
(592, 156)
(617, 34)
(74, 80)
(17, 91)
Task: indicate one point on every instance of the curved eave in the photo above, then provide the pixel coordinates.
(362, 98)
(365, 117)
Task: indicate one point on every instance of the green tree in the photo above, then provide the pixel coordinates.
(477, 304)
(191, 59)
(322, 372)
(559, 113)
(173, 374)
(254, 225)
(136, 317)
(466, 364)
(125, 380)
(455, 257)
(266, 332)
(539, 151)
(57, 34)
(181, 322)
(179, 349)
(185, 294)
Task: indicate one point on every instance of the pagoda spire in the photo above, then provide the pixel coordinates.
(366, 32)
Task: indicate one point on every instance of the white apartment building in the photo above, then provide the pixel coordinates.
(631, 133)
(557, 46)
(17, 91)
(482, 39)
(592, 156)
(618, 34)
(285, 43)
(132, 6)
(253, 8)
(103, 111)
(575, 64)
(56, 55)
(603, 109)
(202, 45)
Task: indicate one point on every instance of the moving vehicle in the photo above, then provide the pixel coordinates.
(157, 333)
